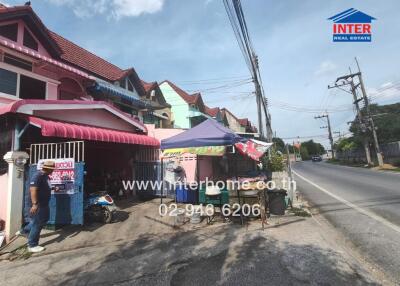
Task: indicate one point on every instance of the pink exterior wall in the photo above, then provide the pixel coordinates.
(52, 91)
(188, 161)
(98, 117)
(21, 25)
(41, 50)
(206, 170)
(47, 70)
(160, 133)
(5, 101)
(3, 196)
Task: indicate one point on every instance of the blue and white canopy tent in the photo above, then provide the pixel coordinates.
(207, 133)
(209, 138)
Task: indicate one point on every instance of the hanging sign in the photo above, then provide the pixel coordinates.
(203, 151)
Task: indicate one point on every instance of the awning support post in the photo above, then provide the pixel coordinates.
(162, 179)
(198, 178)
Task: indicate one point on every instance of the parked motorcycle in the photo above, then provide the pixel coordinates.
(100, 207)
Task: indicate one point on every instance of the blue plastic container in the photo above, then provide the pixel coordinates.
(185, 195)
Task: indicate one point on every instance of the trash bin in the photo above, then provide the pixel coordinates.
(276, 201)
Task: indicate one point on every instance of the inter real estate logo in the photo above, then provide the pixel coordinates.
(352, 26)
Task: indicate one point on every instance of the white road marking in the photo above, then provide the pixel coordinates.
(351, 205)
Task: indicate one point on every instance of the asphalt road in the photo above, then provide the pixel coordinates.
(364, 205)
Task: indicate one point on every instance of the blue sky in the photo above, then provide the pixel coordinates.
(191, 41)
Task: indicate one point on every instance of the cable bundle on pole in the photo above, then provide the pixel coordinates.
(238, 22)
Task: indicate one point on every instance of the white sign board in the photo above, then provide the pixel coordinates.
(63, 177)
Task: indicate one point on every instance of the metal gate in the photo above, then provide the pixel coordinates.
(66, 207)
(63, 150)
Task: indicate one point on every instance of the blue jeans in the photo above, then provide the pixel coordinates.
(34, 227)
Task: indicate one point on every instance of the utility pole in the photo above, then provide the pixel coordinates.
(289, 169)
(329, 130)
(259, 97)
(348, 80)
(360, 121)
(262, 102)
(363, 123)
(269, 132)
(338, 133)
(259, 114)
(371, 121)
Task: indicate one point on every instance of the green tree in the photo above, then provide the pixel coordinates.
(279, 144)
(346, 144)
(387, 123)
(273, 162)
(313, 148)
(304, 153)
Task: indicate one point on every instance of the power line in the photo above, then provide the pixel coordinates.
(306, 137)
(235, 97)
(212, 80)
(225, 86)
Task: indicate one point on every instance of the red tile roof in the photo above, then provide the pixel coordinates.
(36, 25)
(223, 110)
(148, 86)
(243, 121)
(4, 8)
(68, 51)
(78, 56)
(190, 99)
(213, 112)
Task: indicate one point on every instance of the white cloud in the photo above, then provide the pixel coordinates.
(386, 92)
(112, 9)
(325, 68)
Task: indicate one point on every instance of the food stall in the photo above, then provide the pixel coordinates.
(206, 140)
(211, 139)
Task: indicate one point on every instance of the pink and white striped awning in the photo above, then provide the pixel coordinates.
(76, 131)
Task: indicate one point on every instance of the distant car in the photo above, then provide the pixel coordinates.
(316, 158)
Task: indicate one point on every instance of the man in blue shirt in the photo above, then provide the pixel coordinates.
(40, 191)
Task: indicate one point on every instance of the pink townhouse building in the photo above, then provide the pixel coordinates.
(60, 101)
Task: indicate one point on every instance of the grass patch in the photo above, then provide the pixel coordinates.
(20, 253)
(345, 163)
(333, 161)
(390, 169)
(300, 212)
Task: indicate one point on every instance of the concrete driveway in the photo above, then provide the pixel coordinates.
(143, 250)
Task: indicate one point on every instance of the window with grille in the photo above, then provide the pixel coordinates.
(17, 62)
(8, 82)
